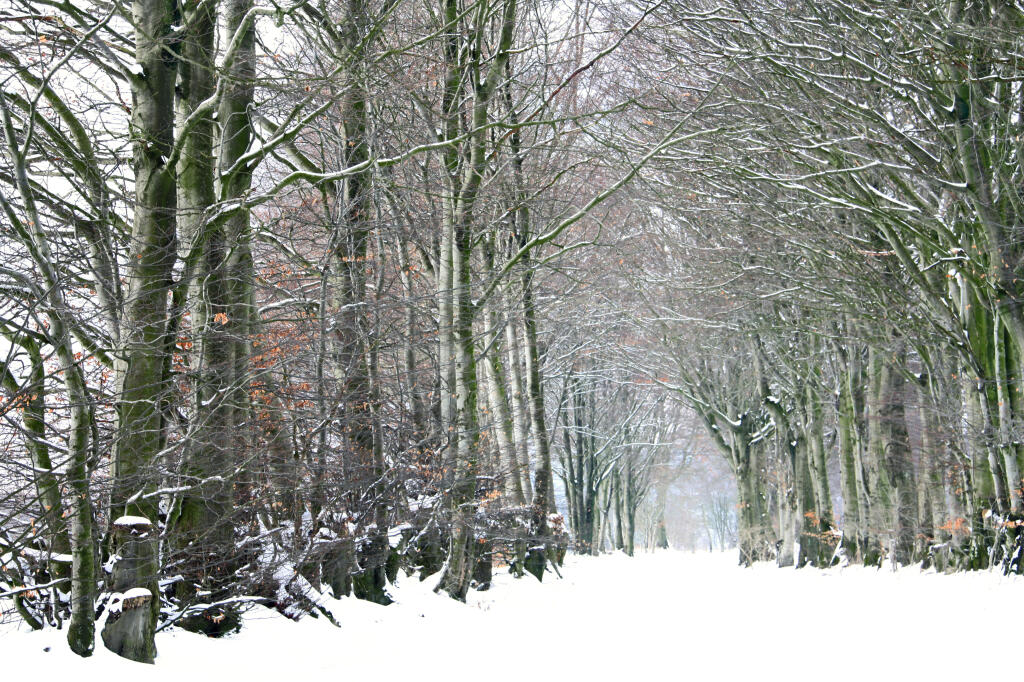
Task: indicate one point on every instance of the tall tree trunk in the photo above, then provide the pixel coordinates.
(520, 411)
(620, 540)
(630, 506)
(848, 462)
(930, 493)
(199, 527)
(81, 628)
(980, 489)
(33, 418)
(503, 428)
(891, 473)
(1009, 448)
(883, 508)
(660, 525)
(143, 383)
(756, 539)
(543, 497)
(497, 399)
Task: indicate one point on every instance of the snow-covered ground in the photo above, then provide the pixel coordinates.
(665, 616)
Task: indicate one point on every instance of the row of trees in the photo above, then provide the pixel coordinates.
(834, 279)
(274, 292)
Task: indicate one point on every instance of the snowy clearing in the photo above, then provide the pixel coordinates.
(697, 616)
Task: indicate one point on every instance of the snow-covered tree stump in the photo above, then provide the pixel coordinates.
(129, 626)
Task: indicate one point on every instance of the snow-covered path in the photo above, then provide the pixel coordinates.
(664, 616)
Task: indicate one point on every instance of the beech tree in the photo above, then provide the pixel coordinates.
(298, 296)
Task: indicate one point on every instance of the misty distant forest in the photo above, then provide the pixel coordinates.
(301, 299)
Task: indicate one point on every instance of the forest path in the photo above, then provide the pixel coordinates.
(670, 615)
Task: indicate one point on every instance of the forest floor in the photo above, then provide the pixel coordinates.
(669, 615)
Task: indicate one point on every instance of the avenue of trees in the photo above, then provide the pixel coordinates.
(296, 295)
(833, 280)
